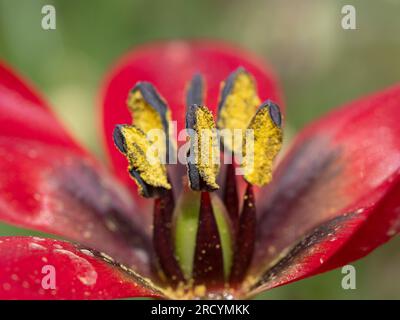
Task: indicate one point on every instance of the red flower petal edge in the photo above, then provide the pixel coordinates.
(336, 242)
(307, 256)
(24, 114)
(28, 264)
(170, 66)
(347, 162)
(49, 183)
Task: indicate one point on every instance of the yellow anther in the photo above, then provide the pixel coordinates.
(238, 103)
(263, 141)
(204, 152)
(150, 112)
(145, 166)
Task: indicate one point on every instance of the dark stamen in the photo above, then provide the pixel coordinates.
(245, 238)
(195, 92)
(162, 238)
(230, 196)
(208, 266)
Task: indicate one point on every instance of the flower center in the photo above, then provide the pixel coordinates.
(203, 238)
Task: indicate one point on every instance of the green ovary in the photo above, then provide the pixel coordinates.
(185, 229)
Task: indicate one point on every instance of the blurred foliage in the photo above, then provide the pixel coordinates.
(320, 66)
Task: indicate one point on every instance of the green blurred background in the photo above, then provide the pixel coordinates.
(320, 66)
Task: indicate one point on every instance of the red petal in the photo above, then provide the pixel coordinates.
(337, 241)
(49, 183)
(23, 114)
(26, 263)
(382, 224)
(310, 253)
(170, 66)
(349, 161)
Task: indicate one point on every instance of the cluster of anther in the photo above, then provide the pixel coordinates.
(203, 240)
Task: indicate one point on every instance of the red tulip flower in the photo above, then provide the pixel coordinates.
(201, 231)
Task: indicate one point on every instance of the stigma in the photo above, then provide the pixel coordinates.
(202, 238)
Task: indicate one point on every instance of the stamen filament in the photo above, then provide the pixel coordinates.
(245, 238)
(163, 240)
(230, 196)
(208, 266)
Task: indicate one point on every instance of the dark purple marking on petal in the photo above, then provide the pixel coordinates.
(208, 265)
(162, 238)
(296, 201)
(87, 187)
(123, 226)
(244, 246)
